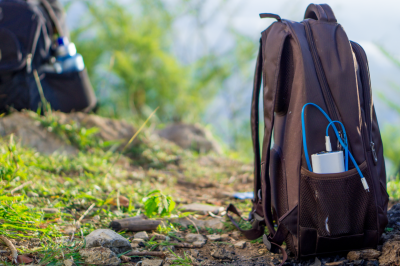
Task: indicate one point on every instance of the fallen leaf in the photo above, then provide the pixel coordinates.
(43, 226)
(24, 259)
(123, 201)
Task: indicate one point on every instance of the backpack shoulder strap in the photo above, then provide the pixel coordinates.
(268, 68)
(271, 47)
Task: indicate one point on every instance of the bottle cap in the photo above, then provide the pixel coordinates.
(62, 41)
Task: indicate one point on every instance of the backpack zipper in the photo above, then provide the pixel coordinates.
(367, 93)
(329, 101)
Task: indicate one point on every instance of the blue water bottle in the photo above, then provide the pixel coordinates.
(67, 59)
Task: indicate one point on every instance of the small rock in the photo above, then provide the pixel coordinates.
(152, 262)
(135, 245)
(201, 208)
(109, 239)
(371, 263)
(50, 210)
(367, 254)
(199, 244)
(194, 253)
(236, 234)
(137, 240)
(240, 244)
(214, 237)
(191, 238)
(159, 237)
(168, 248)
(32, 194)
(96, 218)
(142, 235)
(214, 223)
(275, 261)
(225, 237)
(393, 216)
(125, 258)
(69, 263)
(358, 262)
(99, 256)
(390, 253)
(262, 251)
(222, 254)
(169, 260)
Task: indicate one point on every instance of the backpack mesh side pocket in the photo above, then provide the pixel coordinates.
(337, 204)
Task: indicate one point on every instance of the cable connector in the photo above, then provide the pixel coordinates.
(365, 184)
(328, 144)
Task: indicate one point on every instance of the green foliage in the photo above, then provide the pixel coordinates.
(135, 49)
(52, 252)
(391, 145)
(67, 183)
(11, 164)
(186, 260)
(390, 136)
(393, 188)
(20, 221)
(71, 133)
(153, 153)
(157, 204)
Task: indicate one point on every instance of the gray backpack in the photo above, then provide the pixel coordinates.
(26, 33)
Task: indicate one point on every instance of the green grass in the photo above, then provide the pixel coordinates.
(101, 174)
(71, 184)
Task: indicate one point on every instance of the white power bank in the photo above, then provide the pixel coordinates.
(328, 162)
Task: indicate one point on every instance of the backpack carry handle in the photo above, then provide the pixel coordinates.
(270, 15)
(321, 12)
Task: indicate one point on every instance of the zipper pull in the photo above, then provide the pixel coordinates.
(374, 153)
(29, 63)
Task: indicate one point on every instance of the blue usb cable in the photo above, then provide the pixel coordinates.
(343, 142)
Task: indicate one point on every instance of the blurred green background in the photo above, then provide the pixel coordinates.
(195, 59)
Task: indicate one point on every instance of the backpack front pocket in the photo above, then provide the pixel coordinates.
(66, 92)
(336, 205)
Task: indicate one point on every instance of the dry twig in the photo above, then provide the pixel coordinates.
(197, 229)
(10, 245)
(86, 212)
(20, 186)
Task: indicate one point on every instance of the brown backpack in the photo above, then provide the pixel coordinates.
(314, 62)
